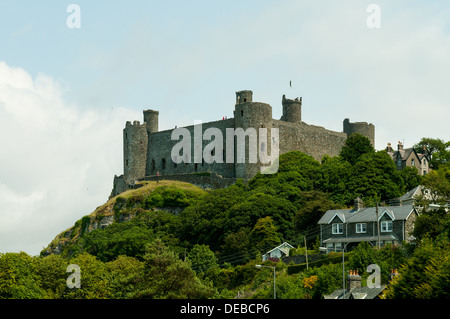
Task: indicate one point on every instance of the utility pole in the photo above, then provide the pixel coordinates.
(306, 252)
(378, 226)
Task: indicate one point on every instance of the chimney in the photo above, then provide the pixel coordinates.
(389, 148)
(358, 203)
(424, 150)
(396, 202)
(393, 274)
(400, 146)
(354, 280)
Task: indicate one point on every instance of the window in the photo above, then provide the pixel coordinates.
(337, 229)
(361, 228)
(386, 226)
(163, 162)
(412, 162)
(242, 112)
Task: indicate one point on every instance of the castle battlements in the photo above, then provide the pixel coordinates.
(148, 151)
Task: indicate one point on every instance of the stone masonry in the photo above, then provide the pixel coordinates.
(147, 151)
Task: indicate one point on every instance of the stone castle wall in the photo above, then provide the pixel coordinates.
(147, 151)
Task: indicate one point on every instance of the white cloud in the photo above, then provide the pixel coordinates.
(58, 161)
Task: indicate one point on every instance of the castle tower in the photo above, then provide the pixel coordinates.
(292, 110)
(250, 117)
(151, 119)
(135, 141)
(363, 128)
(244, 96)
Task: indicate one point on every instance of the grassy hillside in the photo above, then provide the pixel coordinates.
(170, 196)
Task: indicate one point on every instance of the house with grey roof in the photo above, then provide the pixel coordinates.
(354, 289)
(278, 252)
(409, 157)
(346, 228)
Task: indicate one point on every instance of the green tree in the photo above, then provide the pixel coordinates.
(297, 171)
(334, 174)
(203, 221)
(259, 205)
(236, 246)
(19, 278)
(437, 149)
(202, 258)
(432, 223)
(124, 273)
(94, 281)
(312, 205)
(375, 177)
(264, 235)
(425, 275)
(53, 275)
(411, 178)
(438, 184)
(355, 146)
(166, 276)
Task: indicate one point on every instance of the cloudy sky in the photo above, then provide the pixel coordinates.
(66, 93)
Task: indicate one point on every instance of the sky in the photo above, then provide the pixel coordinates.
(66, 93)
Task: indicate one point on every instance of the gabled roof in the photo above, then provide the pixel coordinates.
(356, 293)
(279, 247)
(367, 214)
(412, 193)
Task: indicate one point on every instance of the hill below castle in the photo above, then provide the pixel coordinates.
(170, 239)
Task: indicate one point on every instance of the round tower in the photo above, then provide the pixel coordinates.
(363, 128)
(244, 96)
(249, 117)
(292, 110)
(135, 141)
(151, 119)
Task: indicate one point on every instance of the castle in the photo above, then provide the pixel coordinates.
(147, 151)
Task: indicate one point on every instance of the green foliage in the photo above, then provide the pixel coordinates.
(202, 258)
(437, 149)
(355, 146)
(375, 177)
(311, 207)
(52, 275)
(19, 278)
(438, 184)
(124, 273)
(432, 223)
(426, 275)
(264, 234)
(227, 230)
(166, 276)
(129, 238)
(94, 283)
(328, 259)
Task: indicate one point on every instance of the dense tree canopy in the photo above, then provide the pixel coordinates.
(209, 247)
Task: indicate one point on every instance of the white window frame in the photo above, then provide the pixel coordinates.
(386, 226)
(337, 228)
(361, 228)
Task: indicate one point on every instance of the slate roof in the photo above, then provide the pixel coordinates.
(280, 246)
(356, 293)
(412, 193)
(367, 214)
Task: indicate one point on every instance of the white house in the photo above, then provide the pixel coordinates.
(278, 252)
